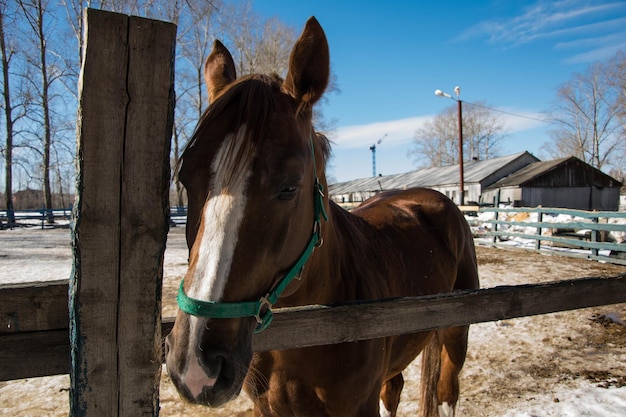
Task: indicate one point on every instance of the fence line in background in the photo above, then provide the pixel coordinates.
(562, 234)
(23, 218)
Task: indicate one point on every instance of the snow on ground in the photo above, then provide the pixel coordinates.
(576, 399)
(480, 224)
(562, 364)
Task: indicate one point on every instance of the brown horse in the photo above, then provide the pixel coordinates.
(254, 174)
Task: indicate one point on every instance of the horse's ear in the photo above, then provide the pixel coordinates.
(309, 64)
(219, 70)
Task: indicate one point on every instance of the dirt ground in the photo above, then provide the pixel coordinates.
(563, 364)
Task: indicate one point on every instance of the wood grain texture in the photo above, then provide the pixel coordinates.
(315, 325)
(145, 213)
(94, 286)
(122, 215)
(33, 306)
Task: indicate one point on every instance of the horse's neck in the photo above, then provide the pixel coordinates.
(338, 259)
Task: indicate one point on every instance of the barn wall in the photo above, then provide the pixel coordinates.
(573, 173)
(473, 193)
(571, 197)
(471, 190)
(357, 197)
(452, 191)
(508, 194)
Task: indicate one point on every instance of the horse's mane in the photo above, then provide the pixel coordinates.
(255, 97)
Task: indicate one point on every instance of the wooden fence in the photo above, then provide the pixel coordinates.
(35, 339)
(35, 217)
(588, 230)
(126, 104)
(109, 337)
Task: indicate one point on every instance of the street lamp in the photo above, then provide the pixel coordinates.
(457, 92)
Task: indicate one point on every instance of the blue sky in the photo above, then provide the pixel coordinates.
(390, 57)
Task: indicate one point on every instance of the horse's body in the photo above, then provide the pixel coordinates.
(250, 173)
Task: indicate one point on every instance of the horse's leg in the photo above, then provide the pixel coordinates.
(431, 364)
(454, 340)
(454, 349)
(390, 396)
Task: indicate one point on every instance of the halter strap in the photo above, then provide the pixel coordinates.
(261, 310)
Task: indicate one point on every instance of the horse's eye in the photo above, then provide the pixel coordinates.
(287, 192)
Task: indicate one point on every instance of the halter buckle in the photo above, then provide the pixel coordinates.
(317, 230)
(319, 187)
(263, 301)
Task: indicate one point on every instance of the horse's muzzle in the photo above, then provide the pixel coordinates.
(208, 376)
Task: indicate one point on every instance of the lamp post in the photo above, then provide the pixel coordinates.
(457, 92)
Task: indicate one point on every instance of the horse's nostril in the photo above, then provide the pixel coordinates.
(202, 373)
(211, 363)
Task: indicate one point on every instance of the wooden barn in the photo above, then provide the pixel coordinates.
(566, 182)
(477, 176)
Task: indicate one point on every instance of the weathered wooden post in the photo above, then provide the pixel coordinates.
(539, 229)
(121, 215)
(496, 205)
(595, 236)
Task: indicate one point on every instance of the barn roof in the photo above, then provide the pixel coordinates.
(537, 173)
(473, 172)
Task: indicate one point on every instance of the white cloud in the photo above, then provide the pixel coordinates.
(571, 22)
(544, 19)
(401, 131)
(600, 53)
(397, 131)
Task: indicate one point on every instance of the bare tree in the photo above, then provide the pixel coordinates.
(194, 42)
(586, 111)
(263, 46)
(54, 61)
(35, 13)
(436, 142)
(257, 45)
(8, 112)
(617, 81)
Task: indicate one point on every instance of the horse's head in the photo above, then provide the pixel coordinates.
(250, 173)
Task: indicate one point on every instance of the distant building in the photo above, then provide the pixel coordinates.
(519, 180)
(477, 176)
(30, 199)
(566, 182)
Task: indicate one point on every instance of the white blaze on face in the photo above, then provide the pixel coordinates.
(222, 216)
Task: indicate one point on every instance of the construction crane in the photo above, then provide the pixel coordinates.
(373, 149)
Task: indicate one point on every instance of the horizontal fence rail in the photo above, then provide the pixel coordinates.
(34, 338)
(178, 215)
(564, 234)
(34, 217)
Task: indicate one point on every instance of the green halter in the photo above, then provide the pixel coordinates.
(261, 310)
